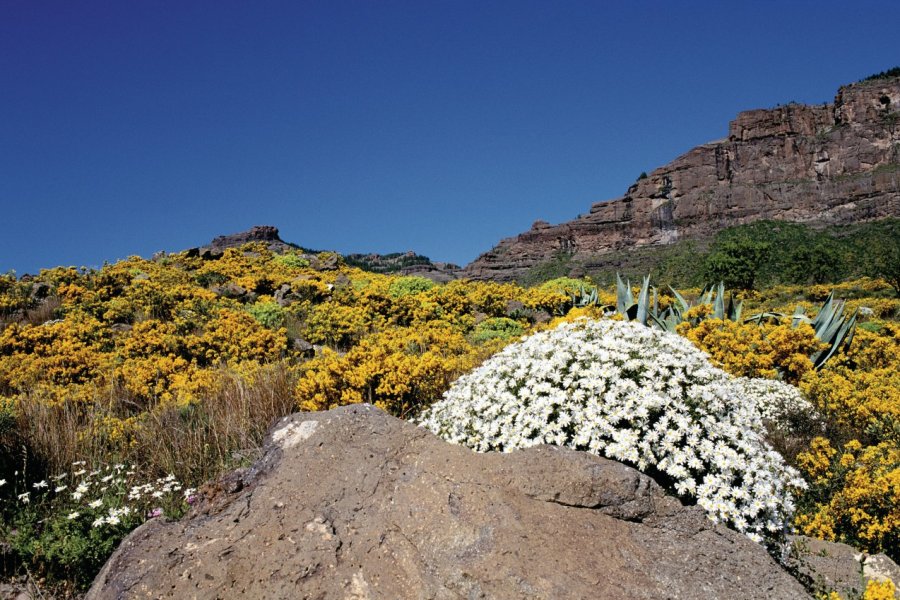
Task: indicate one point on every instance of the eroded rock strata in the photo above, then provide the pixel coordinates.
(830, 164)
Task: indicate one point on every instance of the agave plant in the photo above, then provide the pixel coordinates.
(587, 295)
(830, 325)
(714, 295)
(627, 307)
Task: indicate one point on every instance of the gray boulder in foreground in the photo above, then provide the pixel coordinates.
(355, 504)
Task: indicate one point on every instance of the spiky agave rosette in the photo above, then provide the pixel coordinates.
(634, 394)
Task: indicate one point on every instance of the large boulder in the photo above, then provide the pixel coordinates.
(353, 503)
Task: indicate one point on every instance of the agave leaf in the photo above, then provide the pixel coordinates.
(659, 323)
(643, 300)
(831, 324)
(826, 313)
(624, 298)
(760, 317)
(705, 296)
(719, 303)
(842, 338)
(799, 317)
(852, 332)
(631, 312)
(738, 310)
(685, 306)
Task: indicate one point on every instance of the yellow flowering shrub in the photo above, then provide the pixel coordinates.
(551, 300)
(143, 341)
(854, 496)
(57, 357)
(739, 349)
(880, 590)
(111, 432)
(338, 325)
(235, 336)
(857, 400)
(861, 391)
(882, 308)
(748, 350)
(14, 295)
(400, 370)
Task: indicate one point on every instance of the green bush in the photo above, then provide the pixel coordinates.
(501, 328)
(292, 260)
(404, 286)
(565, 285)
(269, 314)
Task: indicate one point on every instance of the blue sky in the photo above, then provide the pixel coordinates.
(441, 127)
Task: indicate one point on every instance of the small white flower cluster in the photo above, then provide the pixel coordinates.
(105, 496)
(634, 394)
(167, 485)
(781, 405)
(113, 517)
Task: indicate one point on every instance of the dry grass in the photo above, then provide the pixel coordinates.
(196, 442)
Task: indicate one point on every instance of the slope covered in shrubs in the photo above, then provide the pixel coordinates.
(177, 366)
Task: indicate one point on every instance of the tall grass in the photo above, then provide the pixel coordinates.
(195, 442)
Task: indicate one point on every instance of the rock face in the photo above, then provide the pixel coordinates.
(257, 233)
(839, 567)
(352, 503)
(831, 164)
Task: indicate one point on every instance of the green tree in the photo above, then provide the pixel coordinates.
(736, 263)
(883, 252)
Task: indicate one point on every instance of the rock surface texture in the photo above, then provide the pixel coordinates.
(831, 164)
(355, 504)
(839, 567)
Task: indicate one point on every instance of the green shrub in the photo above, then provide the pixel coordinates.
(736, 263)
(404, 286)
(501, 328)
(894, 72)
(564, 285)
(292, 260)
(269, 314)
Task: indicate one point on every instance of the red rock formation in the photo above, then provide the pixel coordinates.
(831, 164)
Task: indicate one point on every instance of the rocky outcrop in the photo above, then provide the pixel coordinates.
(258, 233)
(831, 164)
(405, 263)
(353, 503)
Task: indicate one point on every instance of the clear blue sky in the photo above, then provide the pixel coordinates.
(133, 126)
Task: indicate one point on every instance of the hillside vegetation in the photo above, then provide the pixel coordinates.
(158, 375)
(757, 255)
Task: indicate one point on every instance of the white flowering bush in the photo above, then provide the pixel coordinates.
(634, 394)
(781, 405)
(67, 525)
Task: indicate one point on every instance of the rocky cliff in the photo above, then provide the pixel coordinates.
(831, 164)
